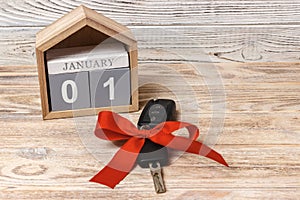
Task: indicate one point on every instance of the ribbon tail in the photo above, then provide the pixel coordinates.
(121, 164)
(109, 177)
(207, 152)
(190, 146)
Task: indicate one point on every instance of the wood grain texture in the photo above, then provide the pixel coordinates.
(156, 12)
(224, 31)
(204, 44)
(249, 111)
(259, 136)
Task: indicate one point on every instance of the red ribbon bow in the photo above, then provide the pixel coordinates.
(113, 127)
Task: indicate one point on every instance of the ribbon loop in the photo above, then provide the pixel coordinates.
(111, 126)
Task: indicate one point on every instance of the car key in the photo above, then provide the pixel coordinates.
(152, 155)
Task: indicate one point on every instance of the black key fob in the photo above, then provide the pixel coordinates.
(154, 113)
(157, 111)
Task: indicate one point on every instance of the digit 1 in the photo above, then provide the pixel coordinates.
(111, 84)
(64, 91)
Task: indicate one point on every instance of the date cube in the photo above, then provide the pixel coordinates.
(69, 91)
(110, 87)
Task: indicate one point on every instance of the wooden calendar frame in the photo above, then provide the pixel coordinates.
(70, 31)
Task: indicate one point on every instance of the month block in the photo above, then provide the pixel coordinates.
(69, 91)
(110, 87)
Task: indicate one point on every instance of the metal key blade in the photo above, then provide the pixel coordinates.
(158, 180)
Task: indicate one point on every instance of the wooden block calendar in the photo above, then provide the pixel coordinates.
(86, 63)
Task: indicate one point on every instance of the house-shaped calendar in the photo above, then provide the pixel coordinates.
(86, 63)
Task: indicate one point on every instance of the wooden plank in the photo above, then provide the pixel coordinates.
(250, 88)
(242, 129)
(259, 74)
(281, 99)
(154, 12)
(201, 193)
(179, 44)
(32, 165)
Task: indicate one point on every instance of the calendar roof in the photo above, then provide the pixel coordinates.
(78, 19)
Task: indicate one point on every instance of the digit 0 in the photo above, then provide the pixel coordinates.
(64, 91)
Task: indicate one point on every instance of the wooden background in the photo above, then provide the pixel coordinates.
(241, 54)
